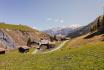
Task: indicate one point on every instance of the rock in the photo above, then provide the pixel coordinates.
(6, 40)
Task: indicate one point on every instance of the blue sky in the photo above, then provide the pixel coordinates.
(46, 14)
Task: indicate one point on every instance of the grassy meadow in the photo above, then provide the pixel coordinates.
(86, 57)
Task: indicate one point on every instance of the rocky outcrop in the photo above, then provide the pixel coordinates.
(12, 38)
(6, 40)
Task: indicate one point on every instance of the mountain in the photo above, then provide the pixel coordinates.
(62, 30)
(94, 27)
(12, 36)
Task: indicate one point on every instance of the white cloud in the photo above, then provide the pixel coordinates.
(49, 19)
(61, 21)
(55, 20)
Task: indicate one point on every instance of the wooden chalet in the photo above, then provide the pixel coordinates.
(2, 51)
(23, 49)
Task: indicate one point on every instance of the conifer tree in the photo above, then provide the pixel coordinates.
(29, 42)
(98, 23)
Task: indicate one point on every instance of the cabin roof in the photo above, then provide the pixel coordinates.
(44, 41)
(2, 49)
(25, 47)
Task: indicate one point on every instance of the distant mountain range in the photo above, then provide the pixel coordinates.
(62, 30)
(77, 30)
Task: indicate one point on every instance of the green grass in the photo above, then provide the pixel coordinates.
(16, 27)
(87, 57)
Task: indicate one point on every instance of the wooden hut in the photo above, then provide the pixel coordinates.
(2, 51)
(45, 44)
(23, 49)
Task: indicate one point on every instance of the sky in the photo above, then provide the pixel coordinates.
(46, 14)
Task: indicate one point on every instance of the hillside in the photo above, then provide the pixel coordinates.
(95, 26)
(78, 54)
(12, 36)
(15, 27)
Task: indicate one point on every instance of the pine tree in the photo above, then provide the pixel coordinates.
(91, 29)
(98, 23)
(103, 20)
(29, 42)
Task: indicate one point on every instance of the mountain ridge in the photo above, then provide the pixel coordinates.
(95, 26)
(62, 30)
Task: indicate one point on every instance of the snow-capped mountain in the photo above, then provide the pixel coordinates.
(65, 30)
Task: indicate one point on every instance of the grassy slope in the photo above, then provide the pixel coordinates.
(87, 57)
(20, 27)
(16, 27)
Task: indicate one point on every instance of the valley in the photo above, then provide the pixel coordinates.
(79, 52)
(51, 34)
(84, 52)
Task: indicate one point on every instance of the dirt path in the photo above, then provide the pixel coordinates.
(60, 46)
(34, 52)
